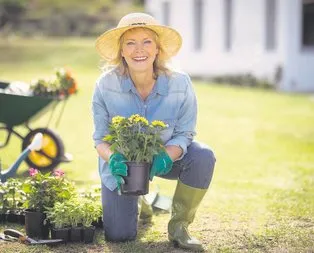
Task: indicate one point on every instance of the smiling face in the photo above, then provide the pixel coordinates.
(139, 49)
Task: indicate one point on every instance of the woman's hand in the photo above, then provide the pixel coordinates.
(118, 168)
(162, 164)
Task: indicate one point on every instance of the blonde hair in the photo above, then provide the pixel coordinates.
(159, 65)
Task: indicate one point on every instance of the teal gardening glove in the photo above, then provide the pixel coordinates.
(162, 164)
(118, 168)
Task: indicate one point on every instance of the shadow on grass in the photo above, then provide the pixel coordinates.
(148, 240)
(139, 246)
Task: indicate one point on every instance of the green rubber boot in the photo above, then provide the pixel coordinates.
(145, 210)
(185, 203)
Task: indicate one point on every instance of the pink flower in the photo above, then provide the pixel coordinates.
(58, 173)
(33, 172)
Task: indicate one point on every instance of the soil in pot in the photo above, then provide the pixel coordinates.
(137, 181)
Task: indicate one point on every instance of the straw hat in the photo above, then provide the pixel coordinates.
(107, 44)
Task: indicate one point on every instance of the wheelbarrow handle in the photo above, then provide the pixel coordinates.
(37, 142)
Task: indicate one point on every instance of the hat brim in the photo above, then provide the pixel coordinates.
(107, 44)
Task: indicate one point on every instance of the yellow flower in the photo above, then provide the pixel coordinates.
(142, 120)
(136, 118)
(133, 117)
(159, 123)
(117, 120)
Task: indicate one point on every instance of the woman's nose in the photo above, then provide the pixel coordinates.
(139, 46)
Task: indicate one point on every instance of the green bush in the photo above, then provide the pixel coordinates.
(91, 211)
(59, 214)
(11, 195)
(243, 80)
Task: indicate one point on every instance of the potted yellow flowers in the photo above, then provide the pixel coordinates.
(138, 140)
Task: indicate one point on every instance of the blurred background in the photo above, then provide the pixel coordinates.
(62, 18)
(266, 43)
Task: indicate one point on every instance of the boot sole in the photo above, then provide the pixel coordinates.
(176, 244)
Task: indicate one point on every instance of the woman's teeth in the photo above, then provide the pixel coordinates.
(140, 58)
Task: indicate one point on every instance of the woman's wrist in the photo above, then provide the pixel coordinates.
(174, 152)
(104, 151)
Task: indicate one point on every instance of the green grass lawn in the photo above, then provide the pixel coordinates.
(262, 195)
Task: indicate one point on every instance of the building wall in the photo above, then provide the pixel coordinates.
(248, 53)
(298, 66)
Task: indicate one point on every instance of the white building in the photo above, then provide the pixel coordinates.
(261, 37)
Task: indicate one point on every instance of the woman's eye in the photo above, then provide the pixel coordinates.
(130, 43)
(147, 41)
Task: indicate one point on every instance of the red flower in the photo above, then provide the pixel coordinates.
(73, 88)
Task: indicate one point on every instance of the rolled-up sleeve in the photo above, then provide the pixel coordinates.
(184, 130)
(100, 115)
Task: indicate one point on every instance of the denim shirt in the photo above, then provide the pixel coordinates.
(171, 100)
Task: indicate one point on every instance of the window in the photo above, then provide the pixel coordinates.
(166, 13)
(270, 24)
(198, 24)
(308, 23)
(228, 24)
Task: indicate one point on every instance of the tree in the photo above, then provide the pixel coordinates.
(11, 11)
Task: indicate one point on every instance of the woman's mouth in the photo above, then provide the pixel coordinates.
(140, 58)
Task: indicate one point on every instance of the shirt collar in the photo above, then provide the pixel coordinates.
(161, 85)
(127, 84)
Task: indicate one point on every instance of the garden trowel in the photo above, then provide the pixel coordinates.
(27, 240)
(158, 201)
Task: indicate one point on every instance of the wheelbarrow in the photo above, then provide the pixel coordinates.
(36, 144)
(18, 110)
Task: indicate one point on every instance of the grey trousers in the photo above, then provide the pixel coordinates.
(120, 213)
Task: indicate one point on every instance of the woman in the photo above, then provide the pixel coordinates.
(140, 83)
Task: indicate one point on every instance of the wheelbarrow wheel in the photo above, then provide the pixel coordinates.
(51, 153)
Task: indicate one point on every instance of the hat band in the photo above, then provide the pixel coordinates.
(137, 24)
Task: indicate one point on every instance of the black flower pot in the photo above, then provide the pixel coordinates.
(76, 234)
(36, 225)
(12, 217)
(61, 233)
(88, 234)
(3, 217)
(98, 223)
(137, 181)
(22, 218)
